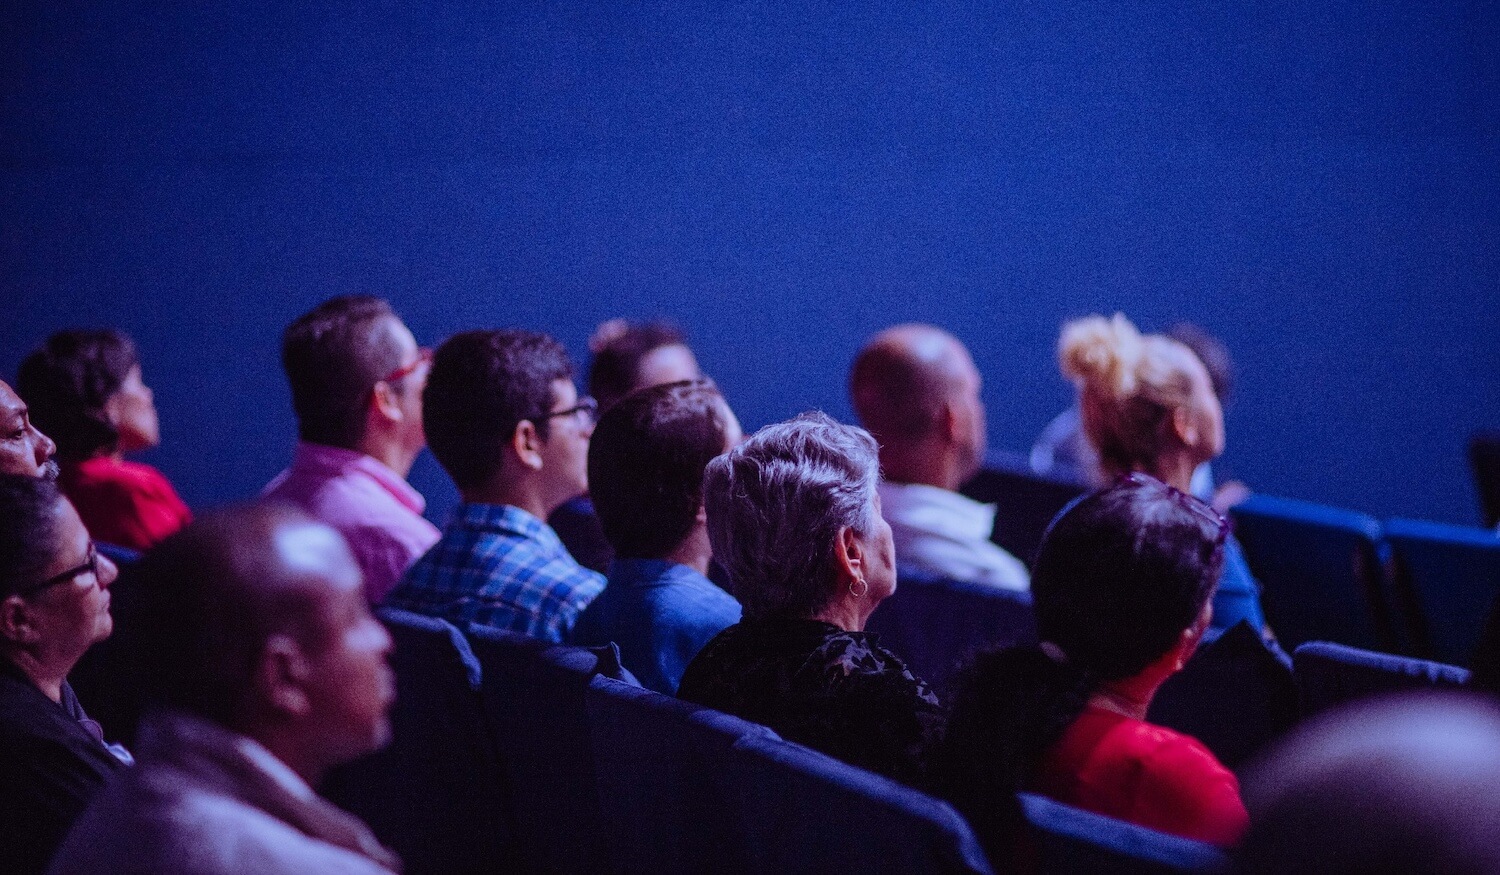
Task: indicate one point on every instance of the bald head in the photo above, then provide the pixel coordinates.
(915, 388)
(216, 592)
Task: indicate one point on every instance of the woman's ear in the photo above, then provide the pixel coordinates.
(848, 554)
(1185, 426)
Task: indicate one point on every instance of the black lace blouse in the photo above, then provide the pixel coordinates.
(816, 684)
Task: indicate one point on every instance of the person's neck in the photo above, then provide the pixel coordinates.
(286, 745)
(1175, 470)
(388, 451)
(847, 613)
(525, 493)
(1130, 697)
(922, 462)
(693, 551)
(48, 677)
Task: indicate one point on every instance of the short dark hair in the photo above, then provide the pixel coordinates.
(209, 597)
(482, 385)
(646, 462)
(614, 371)
(1119, 576)
(67, 382)
(333, 356)
(29, 537)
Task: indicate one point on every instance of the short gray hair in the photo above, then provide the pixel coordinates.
(776, 504)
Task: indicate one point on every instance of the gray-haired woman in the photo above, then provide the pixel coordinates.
(794, 518)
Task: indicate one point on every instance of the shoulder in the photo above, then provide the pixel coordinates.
(856, 663)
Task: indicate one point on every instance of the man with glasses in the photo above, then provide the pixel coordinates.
(504, 419)
(356, 375)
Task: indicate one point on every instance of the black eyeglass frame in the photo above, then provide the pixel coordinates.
(90, 564)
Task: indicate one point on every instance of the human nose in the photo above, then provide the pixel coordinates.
(45, 447)
(107, 573)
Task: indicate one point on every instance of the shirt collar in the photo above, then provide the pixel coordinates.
(652, 572)
(505, 519)
(333, 461)
(934, 508)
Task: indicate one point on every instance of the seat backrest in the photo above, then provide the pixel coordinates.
(533, 696)
(1451, 575)
(804, 811)
(1068, 839)
(1484, 456)
(1331, 674)
(1026, 502)
(436, 794)
(1321, 572)
(935, 624)
(1235, 695)
(661, 767)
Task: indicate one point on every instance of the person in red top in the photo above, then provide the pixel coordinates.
(1122, 590)
(84, 389)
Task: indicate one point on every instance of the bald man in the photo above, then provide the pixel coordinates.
(267, 669)
(915, 388)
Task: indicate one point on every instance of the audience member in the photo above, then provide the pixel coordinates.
(266, 669)
(54, 604)
(646, 462)
(24, 450)
(356, 375)
(794, 517)
(1121, 588)
(85, 390)
(505, 421)
(1148, 405)
(626, 357)
(916, 389)
(1407, 784)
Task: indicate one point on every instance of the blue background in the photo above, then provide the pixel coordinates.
(1317, 183)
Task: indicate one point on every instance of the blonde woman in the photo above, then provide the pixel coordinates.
(1148, 406)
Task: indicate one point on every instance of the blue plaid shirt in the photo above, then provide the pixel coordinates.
(499, 566)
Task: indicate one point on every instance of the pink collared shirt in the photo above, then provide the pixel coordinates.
(376, 511)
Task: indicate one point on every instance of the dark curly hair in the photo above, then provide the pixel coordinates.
(67, 382)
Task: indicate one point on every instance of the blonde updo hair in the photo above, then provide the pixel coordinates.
(1128, 386)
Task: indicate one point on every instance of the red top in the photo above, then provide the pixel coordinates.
(123, 503)
(1135, 771)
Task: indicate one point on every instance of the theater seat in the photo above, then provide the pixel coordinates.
(1072, 840)
(1451, 576)
(533, 695)
(935, 624)
(436, 794)
(1484, 456)
(1321, 570)
(1235, 695)
(804, 811)
(1025, 502)
(1332, 674)
(661, 767)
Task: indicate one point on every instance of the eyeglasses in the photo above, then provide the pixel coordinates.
(424, 356)
(586, 406)
(91, 564)
(1191, 502)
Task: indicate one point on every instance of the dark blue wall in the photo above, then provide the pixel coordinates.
(1318, 183)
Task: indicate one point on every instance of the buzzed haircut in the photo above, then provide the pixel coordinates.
(646, 461)
(66, 383)
(29, 535)
(616, 364)
(482, 385)
(210, 596)
(333, 356)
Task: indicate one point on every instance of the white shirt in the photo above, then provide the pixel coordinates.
(943, 533)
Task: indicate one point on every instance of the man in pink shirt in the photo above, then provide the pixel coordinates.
(357, 376)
